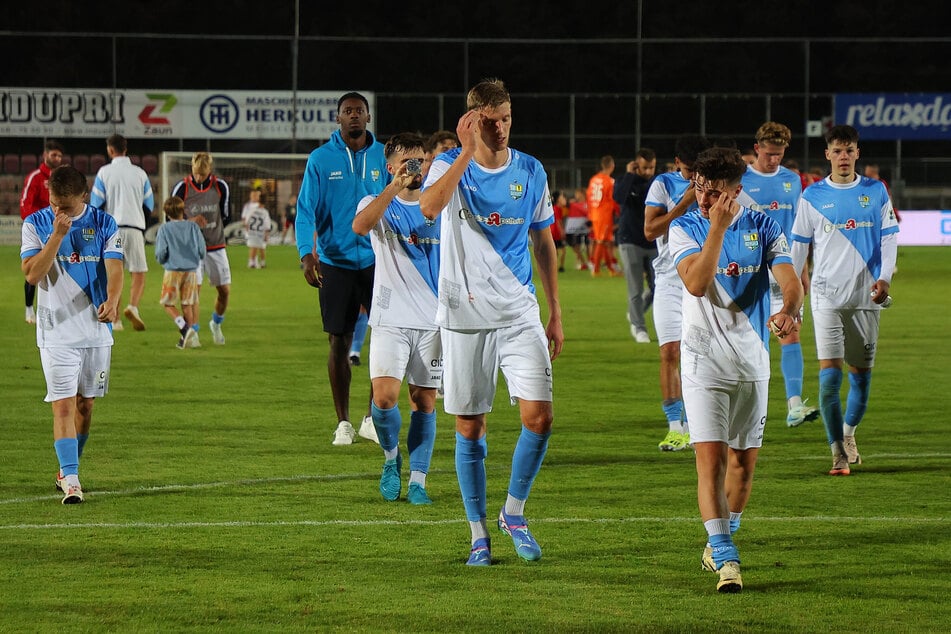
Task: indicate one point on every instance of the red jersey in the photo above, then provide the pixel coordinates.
(558, 227)
(35, 195)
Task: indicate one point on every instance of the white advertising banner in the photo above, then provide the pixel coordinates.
(174, 114)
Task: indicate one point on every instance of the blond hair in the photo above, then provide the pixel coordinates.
(202, 161)
(774, 134)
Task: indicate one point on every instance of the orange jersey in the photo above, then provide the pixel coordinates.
(600, 197)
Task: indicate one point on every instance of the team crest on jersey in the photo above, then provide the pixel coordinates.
(751, 240)
(516, 190)
(89, 234)
(375, 175)
(864, 201)
(787, 186)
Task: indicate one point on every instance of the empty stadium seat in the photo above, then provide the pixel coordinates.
(136, 159)
(28, 163)
(11, 163)
(81, 162)
(95, 162)
(150, 164)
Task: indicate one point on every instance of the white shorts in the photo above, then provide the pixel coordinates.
(133, 250)
(406, 352)
(473, 359)
(216, 268)
(668, 313)
(732, 412)
(256, 242)
(72, 372)
(847, 333)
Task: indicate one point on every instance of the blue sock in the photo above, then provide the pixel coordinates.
(359, 333)
(735, 519)
(81, 440)
(67, 452)
(857, 401)
(470, 471)
(215, 317)
(420, 440)
(674, 410)
(387, 423)
(724, 549)
(793, 367)
(830, 383)
(526, 461)
(195, 327)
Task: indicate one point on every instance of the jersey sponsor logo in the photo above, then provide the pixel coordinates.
(733, 269)
(751, 240)
(414, 238)
(774, 205)
(494, 219)
(89, 234)
(516, 190)
(849, 225)
(75, 258)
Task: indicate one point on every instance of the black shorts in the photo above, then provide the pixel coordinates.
(341, 295)
(576, 239)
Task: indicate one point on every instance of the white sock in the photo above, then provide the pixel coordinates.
(180, 322)
(794, 401)
(514, 506)
(848, 430)
(417, 477)
(390, 454)
(479, 530)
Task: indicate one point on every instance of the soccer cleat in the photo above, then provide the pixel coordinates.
(132, 314)
(74, 494)
(117, 325)
(354, 359)
(181, 343)
(192, 341)
(730, 579)
(30, 315)
(706, 560)
(368, 430)
(801, 414)
(417, 495)
(640, 335)
(344, 433)
(851, 450)
(840, 465)
(390, 483)
(481, 553)
(674, 441)
(60, 481)
(525, 545)
(216, 334)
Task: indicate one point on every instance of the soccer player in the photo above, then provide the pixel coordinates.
(338, 175)
(492, 198)
(722, 252)
(208, 203)
(257, 229)
(849, 221)
(405, 339)
(73, 252)
(601, 211)
(774, 190)
(34, 197)
(669, 197)
(123, 190)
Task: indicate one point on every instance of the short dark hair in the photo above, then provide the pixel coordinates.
(402, 142)
(647, 154)
(174, 207)
(118, 143)
(721, 164)
(688, 147)
(844, 133)
(51, 145)
(67, 181)
(352, 95)
(438, 137)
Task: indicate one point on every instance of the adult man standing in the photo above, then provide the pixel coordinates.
(73, 251)
(669, 197)
(492, 198)
(340, 173)
(34, 197)
(849, 221)
(123, 190)
(637, 252)
(722, 252)
(774, 190)
(208, 204)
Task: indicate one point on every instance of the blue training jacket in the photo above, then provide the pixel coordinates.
(335, 180)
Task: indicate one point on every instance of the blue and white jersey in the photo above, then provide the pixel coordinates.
(666, 191)
(776, 194)
(725, 332)
(485, 278)
(70, 294)
(123, 190)
(846, 225)
(406, 278)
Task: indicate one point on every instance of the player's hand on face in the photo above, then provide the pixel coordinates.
(402, 177)
(723, 211)
(468, 129)
(62, 224)
(312, 270)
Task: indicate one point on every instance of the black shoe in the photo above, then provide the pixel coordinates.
(354, 359)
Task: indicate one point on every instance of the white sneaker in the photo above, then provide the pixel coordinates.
(216, 334)
(192, 342)
(30, 315)
(344, 434)
(640, 335)
(132, 314)
(368, 430)
(117, 325)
